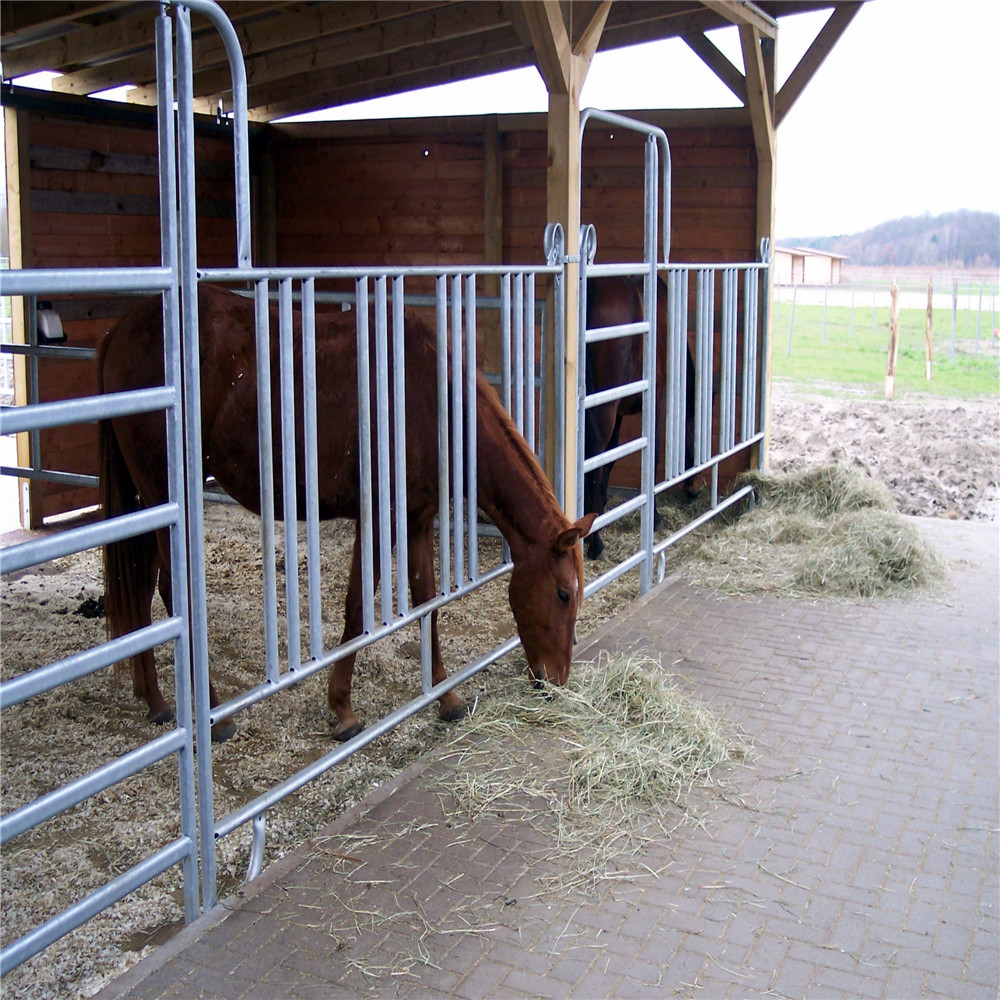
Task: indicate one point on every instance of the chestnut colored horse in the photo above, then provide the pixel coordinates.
(546, 583)
(612, 301)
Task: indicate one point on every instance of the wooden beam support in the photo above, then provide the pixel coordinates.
(745, 15)
(564, 67)
(813, 58)
(714, 59)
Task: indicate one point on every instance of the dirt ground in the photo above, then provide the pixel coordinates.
(939, 458)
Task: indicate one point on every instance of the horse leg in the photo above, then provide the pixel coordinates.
(224, 728)
(600, 436)
(451, 708)
(338, 693)
(142, 566)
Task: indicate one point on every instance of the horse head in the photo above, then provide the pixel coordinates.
(546, 591)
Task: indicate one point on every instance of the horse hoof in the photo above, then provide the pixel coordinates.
(455, 714)
(347, 732)
(223, 730)
(161, 718)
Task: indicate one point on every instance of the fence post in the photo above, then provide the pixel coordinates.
(930, 323)
(826, 295)
(791, 323)
(890, 371)
(954, 311)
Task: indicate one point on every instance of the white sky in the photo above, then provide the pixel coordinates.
(902, 118)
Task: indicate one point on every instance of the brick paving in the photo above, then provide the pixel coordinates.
(854, 855)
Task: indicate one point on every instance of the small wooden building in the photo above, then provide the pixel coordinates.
(805, 266)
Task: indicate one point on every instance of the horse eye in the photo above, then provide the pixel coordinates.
(563, 596)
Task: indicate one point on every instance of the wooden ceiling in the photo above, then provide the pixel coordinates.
(307, 56)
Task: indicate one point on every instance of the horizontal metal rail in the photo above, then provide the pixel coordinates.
(53, 803)
(72, 668)
(49, 476)
(48, 282)
(74, 916)
(42, 416)
(87, 536)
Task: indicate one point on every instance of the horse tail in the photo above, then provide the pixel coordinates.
(130, 565)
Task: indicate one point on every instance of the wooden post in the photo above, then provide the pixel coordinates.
(21, 255)
(563, 52)
(890, 371)
(930, 323)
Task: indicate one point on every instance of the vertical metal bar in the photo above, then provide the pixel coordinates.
(175, 452)
(748, 418)
(266, 459)
(505, 341)
(581, 370)
(704, 315)
(289, 499)
(382, 446)
(426, 679)
(727, 361)
(399, 440)
(505, 361)
(542, 377)
(518, 372)
(648, 460)
(457, 435)
(34, 435)
(764, 321)
(444, 522)
(559, 370)
(241, 146)
(312, 466)
(365, 522)
(676, 387)
(529, 361)
(471, 426)
(198, 627)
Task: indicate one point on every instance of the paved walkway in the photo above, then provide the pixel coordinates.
(855, 857)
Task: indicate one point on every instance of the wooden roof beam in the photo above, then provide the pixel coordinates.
(719, 64)
(25, 23)
(139, 69)
(353, 47)
(813, 58)
(744, 14)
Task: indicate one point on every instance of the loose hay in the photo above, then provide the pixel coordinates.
(624, 748)
(823, 531)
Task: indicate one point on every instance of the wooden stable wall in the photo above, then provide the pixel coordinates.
(90, 198)
(471, 190)
(468, 190)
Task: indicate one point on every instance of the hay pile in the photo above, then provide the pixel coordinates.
(612, 758)
(826, 531)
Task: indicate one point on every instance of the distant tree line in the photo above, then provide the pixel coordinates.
(955, 239)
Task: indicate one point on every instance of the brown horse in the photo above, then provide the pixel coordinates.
(546, 581)
(612, 301)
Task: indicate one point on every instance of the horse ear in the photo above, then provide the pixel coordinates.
(568, 538)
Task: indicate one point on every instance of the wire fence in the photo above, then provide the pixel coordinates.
(963, 311)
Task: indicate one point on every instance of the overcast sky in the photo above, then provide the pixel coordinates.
(902, 118)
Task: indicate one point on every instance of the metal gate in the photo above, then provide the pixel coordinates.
(526, 338)
(173, 515)
(721, 425)
(458, 306)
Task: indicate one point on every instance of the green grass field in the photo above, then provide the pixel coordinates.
(845, 356)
